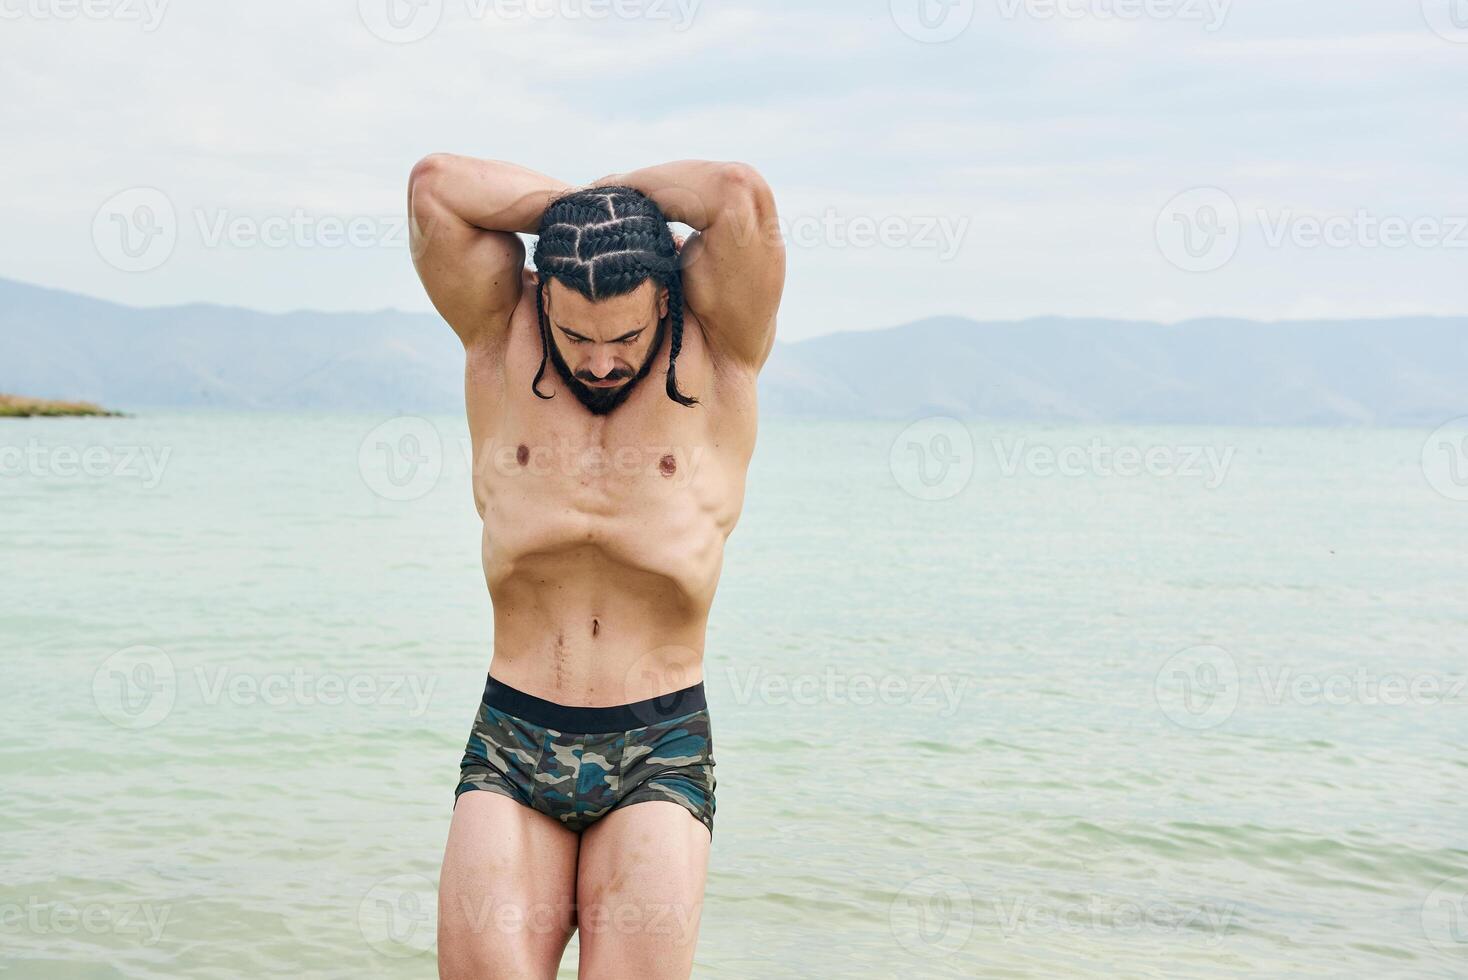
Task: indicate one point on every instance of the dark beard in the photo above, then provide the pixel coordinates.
(600, 401)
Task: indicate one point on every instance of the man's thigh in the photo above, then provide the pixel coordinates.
(640, 892)
(507, 892)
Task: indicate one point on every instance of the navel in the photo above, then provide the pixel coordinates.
(595, 627)
(522, 455)
(668, 465)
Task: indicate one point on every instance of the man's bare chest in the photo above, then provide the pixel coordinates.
(647, 453)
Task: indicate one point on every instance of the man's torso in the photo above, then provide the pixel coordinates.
(604, 535)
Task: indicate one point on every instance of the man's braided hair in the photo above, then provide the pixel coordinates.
(603, 242)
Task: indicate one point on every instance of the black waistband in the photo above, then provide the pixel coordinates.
(592, 721)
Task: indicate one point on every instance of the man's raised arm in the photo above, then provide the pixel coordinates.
(463, 214)
(734, 267)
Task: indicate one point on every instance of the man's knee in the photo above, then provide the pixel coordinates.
(484, 935)
(524, 950)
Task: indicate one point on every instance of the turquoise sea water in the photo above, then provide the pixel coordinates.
(977, 712)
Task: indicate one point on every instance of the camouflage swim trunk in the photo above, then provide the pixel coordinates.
(579, 764)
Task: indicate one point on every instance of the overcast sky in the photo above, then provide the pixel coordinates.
(1157, 159)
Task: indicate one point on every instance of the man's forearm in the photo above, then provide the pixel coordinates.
(489, 194)
(693, 192)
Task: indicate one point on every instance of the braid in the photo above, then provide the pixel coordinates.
(544, 339)
(675, 313)
(604, 242)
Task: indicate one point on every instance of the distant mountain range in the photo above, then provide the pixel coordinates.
(1405, 371)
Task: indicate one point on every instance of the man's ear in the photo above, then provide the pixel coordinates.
(662, 303)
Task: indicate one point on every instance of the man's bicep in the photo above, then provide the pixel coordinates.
(473, 276)
(734, 270)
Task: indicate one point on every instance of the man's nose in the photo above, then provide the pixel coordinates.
(602, 362)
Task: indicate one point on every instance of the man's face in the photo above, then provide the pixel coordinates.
(603, 349)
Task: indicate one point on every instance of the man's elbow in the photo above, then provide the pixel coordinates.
(748, 190)
(427, 173)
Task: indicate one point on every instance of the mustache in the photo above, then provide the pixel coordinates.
(591, 378)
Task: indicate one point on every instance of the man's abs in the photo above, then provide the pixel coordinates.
(576, 628)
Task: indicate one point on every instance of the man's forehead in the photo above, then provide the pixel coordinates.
(569, 298)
